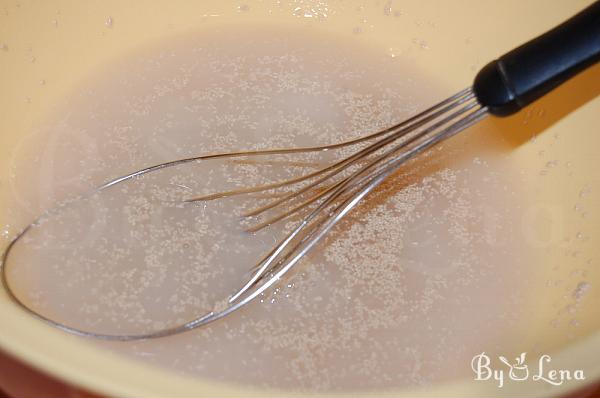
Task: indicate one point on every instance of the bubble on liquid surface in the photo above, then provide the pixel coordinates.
(387, 8)
(311, 9)
(581, 290)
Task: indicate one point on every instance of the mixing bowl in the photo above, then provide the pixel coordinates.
(48, 48)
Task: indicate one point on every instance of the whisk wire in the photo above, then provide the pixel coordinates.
(399, 129)
(362, 155)
(362, 176)
(315, 234)
(343, 165)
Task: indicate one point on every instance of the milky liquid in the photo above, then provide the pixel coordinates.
(404, 291)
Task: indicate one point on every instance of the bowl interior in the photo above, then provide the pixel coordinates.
(552, 143)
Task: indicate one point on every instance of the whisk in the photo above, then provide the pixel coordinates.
(323, 197)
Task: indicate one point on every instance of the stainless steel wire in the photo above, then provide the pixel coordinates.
(327, 196)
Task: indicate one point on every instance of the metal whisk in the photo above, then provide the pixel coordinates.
(327, 195)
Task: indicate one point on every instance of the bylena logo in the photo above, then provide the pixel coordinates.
(520, 371)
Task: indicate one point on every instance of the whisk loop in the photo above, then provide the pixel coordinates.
(321, 197)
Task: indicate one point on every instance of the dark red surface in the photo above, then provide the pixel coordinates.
(21, 381)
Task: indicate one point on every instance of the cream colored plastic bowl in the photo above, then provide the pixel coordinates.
(461, 36)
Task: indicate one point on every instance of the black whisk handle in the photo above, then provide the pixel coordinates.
(528, 72)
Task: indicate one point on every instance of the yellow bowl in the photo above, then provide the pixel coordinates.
(72, 42)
